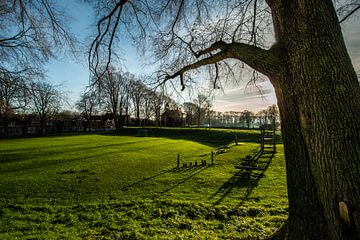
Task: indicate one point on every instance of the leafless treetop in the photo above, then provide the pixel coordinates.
(186, 34)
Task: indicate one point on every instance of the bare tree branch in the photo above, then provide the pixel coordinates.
(259, 59)
(94, 48)
(350, 13)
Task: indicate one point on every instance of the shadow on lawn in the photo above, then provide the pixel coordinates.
(209, 137)
(193, 170)
(238, 180)
(146, 179)
(190, 171)
(25, 154)
(37, 164)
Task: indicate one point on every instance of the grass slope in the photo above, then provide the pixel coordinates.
(127, 187)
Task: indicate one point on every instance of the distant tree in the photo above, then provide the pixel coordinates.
(113, 88)
(147, 106)
(210, 116)
(137, 91)
(190, 110)
(273, 113)
(269, 115)
(46, 100)
(172, 118)
(13, 97)
(125, 93)
(87, 105)
(203, 104)
(247, 116)
(157, 102)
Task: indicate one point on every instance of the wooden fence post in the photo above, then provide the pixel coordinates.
(178, 161)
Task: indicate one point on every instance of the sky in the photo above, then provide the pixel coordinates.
(73, 75)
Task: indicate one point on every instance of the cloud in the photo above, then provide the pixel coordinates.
(245, 98)
(351, 33)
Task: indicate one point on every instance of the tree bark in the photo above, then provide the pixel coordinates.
(319, 101)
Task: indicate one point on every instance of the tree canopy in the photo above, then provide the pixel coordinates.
(185, 35)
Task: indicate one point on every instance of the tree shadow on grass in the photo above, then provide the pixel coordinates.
(194, 171)
(146, 179)
(24, 155)
(32, 165)
(187, 169)
(239, 181)
(190, 170)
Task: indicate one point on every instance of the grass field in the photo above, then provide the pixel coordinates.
(122, 186)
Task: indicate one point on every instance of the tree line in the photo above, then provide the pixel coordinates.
(199, 112)
(125, 100)
(124, 95)
(19, 96)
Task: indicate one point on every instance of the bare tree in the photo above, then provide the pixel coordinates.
(32, 32)
(203, 104)
(46, 100)
(273, 114)
(13, 97)
(190, 110)
(125, 94)
(248, 117)
(87, 105)
(148, 105)
(113, 89)
(157, 102)
(137, 90)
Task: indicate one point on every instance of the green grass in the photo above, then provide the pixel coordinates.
(106, 186)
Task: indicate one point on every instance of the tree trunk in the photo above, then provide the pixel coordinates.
(127, 113)
(121, 121)
(319, 101)
(198, 117)
(6, 127)
(157, 116)
(137, 116)
(42, 127)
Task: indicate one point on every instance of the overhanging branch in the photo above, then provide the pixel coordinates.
(209, 60)
(93, 57)
(219, 45)
(263, 61)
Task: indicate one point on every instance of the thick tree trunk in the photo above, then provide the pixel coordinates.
(319, 100)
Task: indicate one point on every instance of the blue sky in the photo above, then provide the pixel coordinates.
(73, 75)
